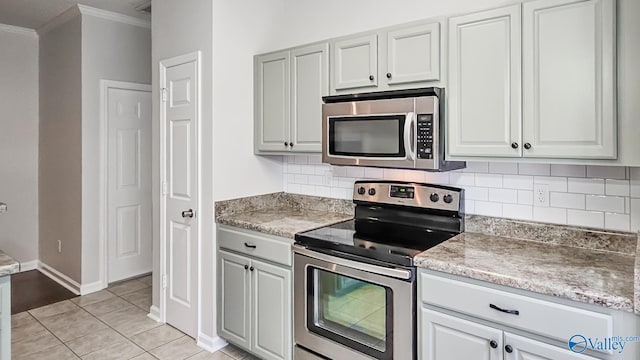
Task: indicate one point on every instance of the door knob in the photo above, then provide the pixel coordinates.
(187, 213)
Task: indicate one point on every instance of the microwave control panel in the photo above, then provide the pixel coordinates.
(425, 136)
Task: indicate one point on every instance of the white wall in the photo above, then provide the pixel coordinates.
(110, 51)
(181, 27)
(305, 21)
(19, 142)
(60, 166)
(241, 30)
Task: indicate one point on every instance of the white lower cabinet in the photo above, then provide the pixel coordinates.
(446, 337)
(255, 311)
(5, 317)
(461, 318)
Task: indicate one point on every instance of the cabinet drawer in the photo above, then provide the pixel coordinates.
(534, 314)
(262, 246)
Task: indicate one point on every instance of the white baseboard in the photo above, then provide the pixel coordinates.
(28, 265)
(59, 277)
(92, 287)
(154, 313)
(211, 344)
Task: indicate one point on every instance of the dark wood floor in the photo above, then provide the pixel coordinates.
(32, 289)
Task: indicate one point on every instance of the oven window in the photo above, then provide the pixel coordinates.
(351, 311)
(367, 136)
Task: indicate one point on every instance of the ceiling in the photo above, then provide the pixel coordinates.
(33, 14)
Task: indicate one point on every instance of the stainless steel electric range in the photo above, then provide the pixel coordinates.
(355, 281)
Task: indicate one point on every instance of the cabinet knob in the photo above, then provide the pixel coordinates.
(388, 75)
(527, 146)
(371, 77)
(514, 145)
(246, 267)
(286, 144)
(493, 344)
(508, 349)
(290, 144)
(251, 268)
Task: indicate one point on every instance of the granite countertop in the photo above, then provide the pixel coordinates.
(8, 265)
(282, 214)
(585, 273)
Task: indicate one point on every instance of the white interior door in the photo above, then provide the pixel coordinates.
(180, 105)
(129, 183)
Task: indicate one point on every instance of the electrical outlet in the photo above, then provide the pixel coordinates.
(541, 195)
(59, 246)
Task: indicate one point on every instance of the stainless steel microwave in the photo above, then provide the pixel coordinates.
(396, 129)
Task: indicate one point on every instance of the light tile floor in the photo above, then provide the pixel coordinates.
(109, 324)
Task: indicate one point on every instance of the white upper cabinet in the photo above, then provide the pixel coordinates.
(569, 79)
(272, 101)
(413, 54)
(289, 86)
(400, 57)
(484, 84)
(355, 62)
(309, 83)
(566, 86)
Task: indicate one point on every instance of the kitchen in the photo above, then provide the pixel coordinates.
(492, 185)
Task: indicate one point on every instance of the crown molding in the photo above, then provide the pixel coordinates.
(91, 11)
(18, 30)
(69, 14)
(109, 15)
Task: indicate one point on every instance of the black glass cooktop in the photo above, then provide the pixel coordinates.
(382, 242)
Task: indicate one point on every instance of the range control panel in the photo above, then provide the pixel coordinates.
(410, 194)
(425, 136)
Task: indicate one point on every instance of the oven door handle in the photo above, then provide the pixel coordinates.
(409, 136)
(379, 270)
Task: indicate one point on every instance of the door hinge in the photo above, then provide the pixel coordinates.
(164, 94)
(165, 188)
(164, 281)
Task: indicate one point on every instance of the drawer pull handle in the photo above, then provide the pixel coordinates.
(251, 246)
(512, 312)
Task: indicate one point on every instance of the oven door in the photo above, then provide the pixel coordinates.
(346, 309)
(370, 133)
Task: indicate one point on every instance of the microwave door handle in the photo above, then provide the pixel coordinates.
(409, 136)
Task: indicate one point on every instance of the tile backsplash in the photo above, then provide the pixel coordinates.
(604, 197)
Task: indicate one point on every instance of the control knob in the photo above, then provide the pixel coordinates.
(448, 198)
(372, 191)
(361, 190)
(434, 197)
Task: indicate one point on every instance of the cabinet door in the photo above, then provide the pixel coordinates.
(444, 337)
(413, 54)
(355, 62)
(569, 74)
(235, 319)
(272, 311)
(272, 102)
(309, 83)
(484, 73)
(527, 349)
